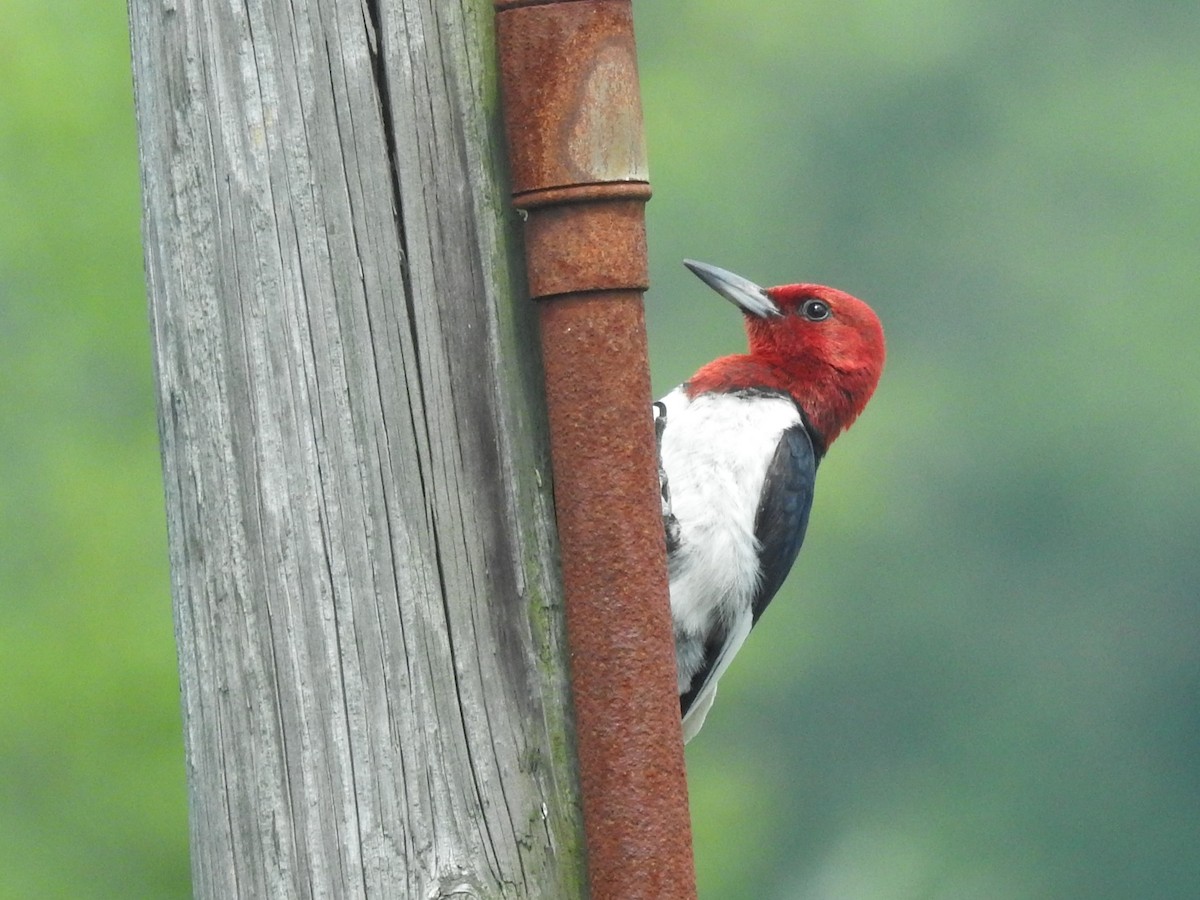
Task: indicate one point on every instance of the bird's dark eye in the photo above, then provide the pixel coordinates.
(815, 310)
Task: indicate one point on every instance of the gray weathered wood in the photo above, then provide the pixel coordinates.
(366, 598)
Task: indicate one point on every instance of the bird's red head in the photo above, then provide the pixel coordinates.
(821, 345)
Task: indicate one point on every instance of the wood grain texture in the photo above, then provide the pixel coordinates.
(365, 582)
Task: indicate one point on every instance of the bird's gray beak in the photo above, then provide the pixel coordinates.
(747, 295)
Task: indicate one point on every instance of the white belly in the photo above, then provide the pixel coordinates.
(715, 453)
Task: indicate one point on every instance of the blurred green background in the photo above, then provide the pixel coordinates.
(982, 680)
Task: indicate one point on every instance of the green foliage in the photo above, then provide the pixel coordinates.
(981, 681)
(92, 793)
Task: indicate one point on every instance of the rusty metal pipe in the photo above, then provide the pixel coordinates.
(577, 154)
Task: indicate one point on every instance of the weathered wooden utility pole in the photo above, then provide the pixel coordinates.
(366, 599)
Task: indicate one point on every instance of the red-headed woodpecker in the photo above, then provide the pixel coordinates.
(739, 446)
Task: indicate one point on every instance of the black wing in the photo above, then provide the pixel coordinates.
(783, 509)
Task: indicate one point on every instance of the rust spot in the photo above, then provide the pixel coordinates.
(586, 246)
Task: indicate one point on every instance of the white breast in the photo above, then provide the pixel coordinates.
(715, 453)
